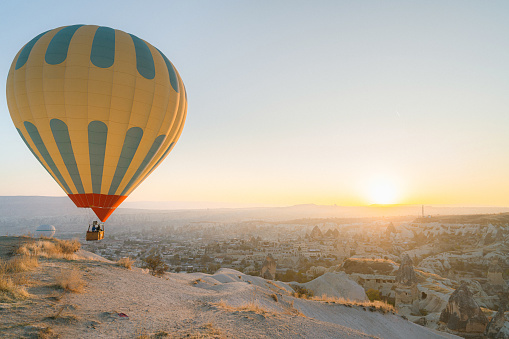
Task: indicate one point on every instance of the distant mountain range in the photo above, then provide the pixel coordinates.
(40, 206)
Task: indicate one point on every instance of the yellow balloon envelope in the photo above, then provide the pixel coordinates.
(98, 107)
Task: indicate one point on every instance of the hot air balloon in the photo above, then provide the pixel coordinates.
(98, 108)
(47, 231)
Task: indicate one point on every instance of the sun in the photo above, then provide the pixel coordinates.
(383, 192)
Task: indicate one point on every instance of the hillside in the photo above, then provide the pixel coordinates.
(226, 304)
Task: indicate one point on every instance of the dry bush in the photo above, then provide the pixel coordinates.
(46, 333)
(246, 307)
(301, 292)
(211, 331)
(126, 262)
(51, 248)
(375, 305)
(274, 296)
(70, 280)
(68, 246)
(9, 291)
(18, 264)
(292, 311)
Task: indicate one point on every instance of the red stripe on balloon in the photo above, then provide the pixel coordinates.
(103, 205)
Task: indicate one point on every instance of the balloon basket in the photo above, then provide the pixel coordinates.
(91, 236)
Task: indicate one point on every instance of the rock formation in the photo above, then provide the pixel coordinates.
(495, 274)
(496, 324)
(336, 284)
(406, 292)
(462, 313)
(316, 233)
(390, 229)
(269, 268)
(405, 275)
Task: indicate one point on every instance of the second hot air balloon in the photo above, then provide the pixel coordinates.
(99, 108)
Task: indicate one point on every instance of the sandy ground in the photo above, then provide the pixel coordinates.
(183, 305)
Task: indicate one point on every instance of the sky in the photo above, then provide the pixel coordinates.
(294, 102)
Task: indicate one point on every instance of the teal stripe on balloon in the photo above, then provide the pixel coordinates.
(30, 148)
(150, 155)
(171, 72)
(59, 45)
(131, 143)
(168, 150)
(37, 140)
(25, 53)
(63, 141)
(144, 59)
(103, 48)
(97, 135)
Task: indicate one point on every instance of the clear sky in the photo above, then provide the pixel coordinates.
(327, 102)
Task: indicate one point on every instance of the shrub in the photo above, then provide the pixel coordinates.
(373, 306)
(250, 306)
(18, 264)
(155, 264)
(274, 296)
(70, 280)
(125, 262)
(51, 248)
(68, 246)
(302, 292)
(10, 292)
(373, 294)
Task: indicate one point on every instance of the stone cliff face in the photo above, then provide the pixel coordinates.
(462, 313)
(405, 275)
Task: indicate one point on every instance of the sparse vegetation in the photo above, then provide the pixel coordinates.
(126, 262)
(373, 294)
(12, 279)
(302, 292)
(250, 306)
(70, 280)
(274, 297)
(373, 306)
(156, 265)
(18, 264)
(9, 291)
(50, 248)
(46, 333)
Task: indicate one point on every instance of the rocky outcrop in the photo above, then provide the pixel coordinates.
(496, 324)
(390, 229)
(332, 234)
(495, 274)
(316, 233)
(405, 275)
(338, 285)
(462, 313)
(480, 296)
(269, 268)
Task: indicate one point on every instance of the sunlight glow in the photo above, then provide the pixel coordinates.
(383, 192)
